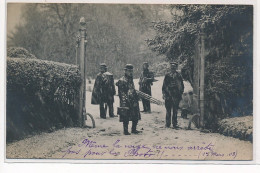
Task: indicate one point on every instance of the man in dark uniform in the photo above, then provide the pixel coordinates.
(172, 90)
(104, 91)
(145, 82)
(129, 106)
(109, 92)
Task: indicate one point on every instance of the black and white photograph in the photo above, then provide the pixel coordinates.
(111, 81)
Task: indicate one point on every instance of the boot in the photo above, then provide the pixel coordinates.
(111, 110)
(174, 121)
(125, 125)
(102, 111)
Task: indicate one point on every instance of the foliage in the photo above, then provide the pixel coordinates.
(41, 95)
(228, 33)
(225, 26)
(19, 52)
(30, 31)
(160, 69)
(115, 34)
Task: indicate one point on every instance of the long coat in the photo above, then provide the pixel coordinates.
(104, 89)
(145, 82)
(109, 88)
(173, 87)
(97, 93)
(129, 98)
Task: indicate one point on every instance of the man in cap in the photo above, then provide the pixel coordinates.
(172, 90)
(145, 83)
(109, 92)
(104, 91)
(129, 106)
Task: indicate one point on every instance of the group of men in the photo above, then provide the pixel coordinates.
(104, 91)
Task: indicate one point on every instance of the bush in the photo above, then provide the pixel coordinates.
(19, 52)
(228, 42)
(160, 69)
(238, 127)
(41, 95)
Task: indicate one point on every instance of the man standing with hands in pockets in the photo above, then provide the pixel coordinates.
(172, 90)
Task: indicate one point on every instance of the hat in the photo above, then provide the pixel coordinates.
(146, 63)
(174, 63)
(103, 65)
(129, 67)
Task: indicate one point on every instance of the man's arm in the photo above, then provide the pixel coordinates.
(164, 86)
(113, 86)
(99, 83)
(122, 92)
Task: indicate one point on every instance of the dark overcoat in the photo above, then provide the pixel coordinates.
(97, 93)
(146, 81)
(104, 89)
(109, 87)
(129, 98)
(173, 87)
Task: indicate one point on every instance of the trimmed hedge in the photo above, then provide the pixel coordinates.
(19, 52)
(238, 127)
(41, 96)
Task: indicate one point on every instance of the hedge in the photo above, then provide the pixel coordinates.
(41, 96)
(19, 52)
(237, 127)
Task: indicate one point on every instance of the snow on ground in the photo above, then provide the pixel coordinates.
(107, 141)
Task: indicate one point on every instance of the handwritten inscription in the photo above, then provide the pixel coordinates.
(90, 149)
(91, 144)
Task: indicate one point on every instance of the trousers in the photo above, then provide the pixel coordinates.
(171, 112)
(146, 105)
(134, 125)
(103, 109)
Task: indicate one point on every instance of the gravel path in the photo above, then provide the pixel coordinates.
(107, 141)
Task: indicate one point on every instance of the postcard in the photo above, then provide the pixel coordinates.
(129, 82)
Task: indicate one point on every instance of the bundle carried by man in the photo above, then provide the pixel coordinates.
(148, 97)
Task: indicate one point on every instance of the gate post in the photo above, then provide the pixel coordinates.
(196, 77)
(82, 32)
(77, 49)
(202, 77)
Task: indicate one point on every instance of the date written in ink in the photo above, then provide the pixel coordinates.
(217, 154)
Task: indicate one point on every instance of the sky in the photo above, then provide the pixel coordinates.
(14, 11)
